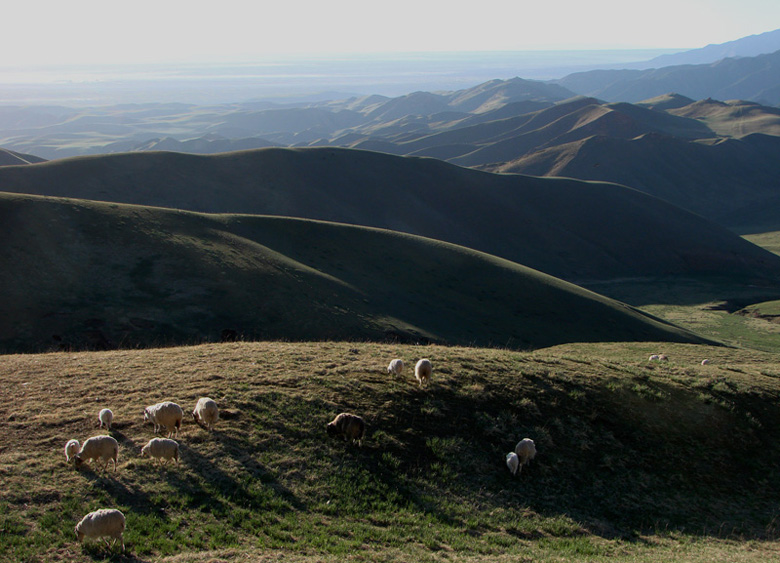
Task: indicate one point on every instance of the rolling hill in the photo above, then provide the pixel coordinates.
(78, 274)
(731, 181)
(574, 230)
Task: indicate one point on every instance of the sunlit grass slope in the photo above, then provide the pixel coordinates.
(637, 461)
(79, 274)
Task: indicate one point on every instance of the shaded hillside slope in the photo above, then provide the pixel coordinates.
(745, 78)
(735, 182)
(567, 228)
(11, 158)
(95, 275)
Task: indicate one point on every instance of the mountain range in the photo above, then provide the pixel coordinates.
(744, 78)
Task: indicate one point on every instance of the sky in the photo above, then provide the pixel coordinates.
(54, 32)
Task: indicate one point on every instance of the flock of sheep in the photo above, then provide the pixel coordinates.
(102, 449)
(168, 416)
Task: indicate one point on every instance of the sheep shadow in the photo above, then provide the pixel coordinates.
(597, 464)
(99, 552)
(228, 486)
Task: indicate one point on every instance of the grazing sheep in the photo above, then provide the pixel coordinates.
(396, 367)
(526, 451)
(512, 462)
(71, 449)
(348, 425)
(705, 362)
(103, 448)
(105, 523)
(166, 415)
(206, 413)
(161, 449)
(654, 358)
(423, 370)
(106, 417)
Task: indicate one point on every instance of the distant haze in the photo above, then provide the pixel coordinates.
(291, 77)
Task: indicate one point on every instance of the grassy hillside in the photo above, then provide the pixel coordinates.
(731, 181)
(92, 275)
(637, 461)
(570, 229)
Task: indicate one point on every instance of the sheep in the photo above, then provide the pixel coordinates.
(102, 447)
(104, 523)
(654, 358)
(396, 367)
(526, 451)
(348, 425)
(161, 449)
(705, 362)
(423, 370)
(206, 413)
(71, 449)
(663, 358)
(106, 417)
(512, 462)
(166, 415)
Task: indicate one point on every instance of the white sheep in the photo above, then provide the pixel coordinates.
(166, 415)
(106, 417)
(512, 462)
(705, 362)
(526, 451)
(423, 371)
(103, 448)
(396, 367)
(105, 523)
(161, 449)
(71, 449)
(206, 412)
(654, 358)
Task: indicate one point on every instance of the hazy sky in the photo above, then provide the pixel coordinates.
(107, 31)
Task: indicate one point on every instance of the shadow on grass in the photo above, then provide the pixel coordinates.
(646, 456)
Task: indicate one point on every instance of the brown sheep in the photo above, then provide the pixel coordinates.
(348, 425)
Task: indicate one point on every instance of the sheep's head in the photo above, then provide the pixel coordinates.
(79, 534)
(332, 430)
(78, 461)
(145, 451)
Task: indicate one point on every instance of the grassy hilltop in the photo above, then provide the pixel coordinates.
(637, 460)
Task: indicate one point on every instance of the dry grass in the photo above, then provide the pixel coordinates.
(632, 461)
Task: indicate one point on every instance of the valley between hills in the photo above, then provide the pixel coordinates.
(537, 243)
